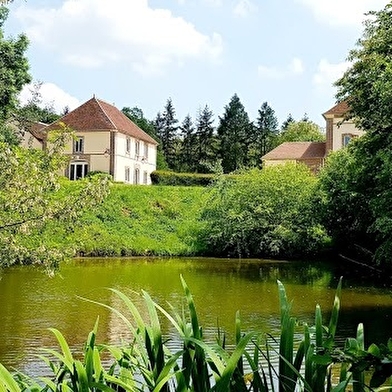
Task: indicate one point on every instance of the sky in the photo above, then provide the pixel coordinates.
(140, 53)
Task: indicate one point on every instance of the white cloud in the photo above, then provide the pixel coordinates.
(93, 33)
(295, 67)
(51, 96)
(342, 12)
(328, 73)
(243, 8)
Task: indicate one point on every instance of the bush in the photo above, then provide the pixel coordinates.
(181, 179)
(264, 213)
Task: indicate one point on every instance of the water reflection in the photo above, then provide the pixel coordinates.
(31, 302)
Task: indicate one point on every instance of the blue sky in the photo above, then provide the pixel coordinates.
(198, 52)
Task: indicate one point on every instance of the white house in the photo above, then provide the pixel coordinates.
(107, 141)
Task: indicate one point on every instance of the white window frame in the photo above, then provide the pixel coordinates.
(127, 174)
(136, 176)
(128, 145)
(146, 151)
(73, 170)
(137, 149)
(145, 177)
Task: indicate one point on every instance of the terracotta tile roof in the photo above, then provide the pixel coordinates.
(97, 115)
(297, 151)
(338, 110)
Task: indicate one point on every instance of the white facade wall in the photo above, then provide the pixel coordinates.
(137, 162)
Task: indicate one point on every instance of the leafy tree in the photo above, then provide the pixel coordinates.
(136, 115)
(264, 133)
(233, 134)
(205, 140)
(361, 188)
(32, 197)
(287, 122)
(188, 157)
(14, 74)
(264, 213)
(302, 131)
(366, 85)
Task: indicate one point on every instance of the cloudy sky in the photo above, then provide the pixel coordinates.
(197, 52)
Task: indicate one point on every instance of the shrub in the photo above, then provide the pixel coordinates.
(181, 179)
(263, 213)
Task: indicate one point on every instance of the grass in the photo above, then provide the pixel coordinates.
(137, 221)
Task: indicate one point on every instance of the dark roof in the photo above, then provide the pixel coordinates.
(297, 151)
(37, 129)
(339, 110)
(97, 115)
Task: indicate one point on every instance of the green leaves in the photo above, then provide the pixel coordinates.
(264, 213)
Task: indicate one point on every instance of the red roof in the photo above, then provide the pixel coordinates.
(297, 151)
(338, 110)
(98, 115)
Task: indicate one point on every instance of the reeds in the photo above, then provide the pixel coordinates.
(148, 363)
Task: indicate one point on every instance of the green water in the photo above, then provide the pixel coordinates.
(31, 302)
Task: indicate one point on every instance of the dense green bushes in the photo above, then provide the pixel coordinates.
(258, 213)
(267, 212)
(181, 179)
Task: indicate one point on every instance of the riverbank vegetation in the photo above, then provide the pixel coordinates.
(303, 358)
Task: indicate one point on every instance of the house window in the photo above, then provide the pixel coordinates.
(346, 139)
(78, 170)
(127, 174)
(78, 146)
(145, 177)
(145, 151)
(137, 149)
(128, 145)
(136, 176)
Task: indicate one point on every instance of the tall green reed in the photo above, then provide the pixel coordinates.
(148, 362)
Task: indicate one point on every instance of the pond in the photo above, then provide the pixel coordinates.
(31, 301)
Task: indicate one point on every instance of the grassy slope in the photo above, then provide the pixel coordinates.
(140, 220)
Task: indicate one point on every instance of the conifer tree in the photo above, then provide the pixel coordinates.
(167, 131)
(234, 131)
(206, 154)
(187, 156)
(264, 133)
(287, 122)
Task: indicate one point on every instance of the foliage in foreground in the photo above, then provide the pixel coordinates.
(32, 197)
(263, 213)
(150, 363)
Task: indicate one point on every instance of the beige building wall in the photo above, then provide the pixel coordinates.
(274, 162)
(342, 129)
(29, 141)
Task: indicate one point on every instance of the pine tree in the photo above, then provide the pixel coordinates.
(287, 122)
(265, 133)
(205, 151)
(187, 157)
(234, 131)
(168, 134)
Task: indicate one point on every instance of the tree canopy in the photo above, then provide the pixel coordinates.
(301, 131)
(367, 84)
